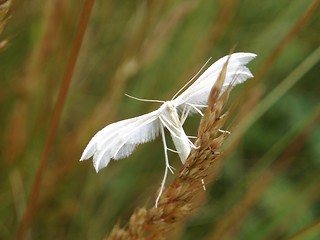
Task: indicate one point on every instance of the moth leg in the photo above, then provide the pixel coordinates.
(203, 185)
(192, 145)
(196, 107)
(184, 114)
(164, 121)
(200, 105)
(167, 166)
(172, 150)
(194, 137)
(224, 131)
(186, 110)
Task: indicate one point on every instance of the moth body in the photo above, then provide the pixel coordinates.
(170, 118)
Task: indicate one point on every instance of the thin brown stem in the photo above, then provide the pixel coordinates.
(312, 228)
(55, 119)
(300, 24)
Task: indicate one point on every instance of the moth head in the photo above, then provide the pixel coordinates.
(170, 106)
(167, 108)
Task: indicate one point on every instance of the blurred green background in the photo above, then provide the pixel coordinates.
(269, 184)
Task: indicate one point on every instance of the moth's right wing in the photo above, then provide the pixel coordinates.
(118, 140)
(198, 92)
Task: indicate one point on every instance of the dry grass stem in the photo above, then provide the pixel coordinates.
(55, 119)
(4, 9)
(294, 31)
(202, 165)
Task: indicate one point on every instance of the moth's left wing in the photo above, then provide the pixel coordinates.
(118, 140)
(198, 92)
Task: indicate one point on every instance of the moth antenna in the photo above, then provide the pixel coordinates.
(190, 79)
(144, 100)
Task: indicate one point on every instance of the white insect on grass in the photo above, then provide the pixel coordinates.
(118, 140)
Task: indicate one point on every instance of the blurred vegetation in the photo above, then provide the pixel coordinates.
(269, 184)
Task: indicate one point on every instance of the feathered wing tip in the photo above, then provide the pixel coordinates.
(92, 150)
(89, 150)
(236, 67)
(198, 92)
(236, 61)
(237, 72)
(242, 57)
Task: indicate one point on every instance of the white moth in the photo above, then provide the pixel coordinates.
(118, 140)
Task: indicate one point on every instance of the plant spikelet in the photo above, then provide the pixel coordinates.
(177, 201)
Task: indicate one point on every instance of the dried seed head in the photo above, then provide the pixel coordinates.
(177, 200)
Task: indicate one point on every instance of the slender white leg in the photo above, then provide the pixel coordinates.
(192, 145)
(194, 137)
(167, 165)
(166, 123)
(195, 107)
(186, 111)
(184, 114)
(223, 131)
(172, 150)
(203, 185)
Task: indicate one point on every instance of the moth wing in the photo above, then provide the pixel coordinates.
(198, 92)
(118, 140)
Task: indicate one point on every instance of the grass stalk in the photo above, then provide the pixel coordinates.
(276, 94)
(313, 228)
(56, 116)
(294, 31)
